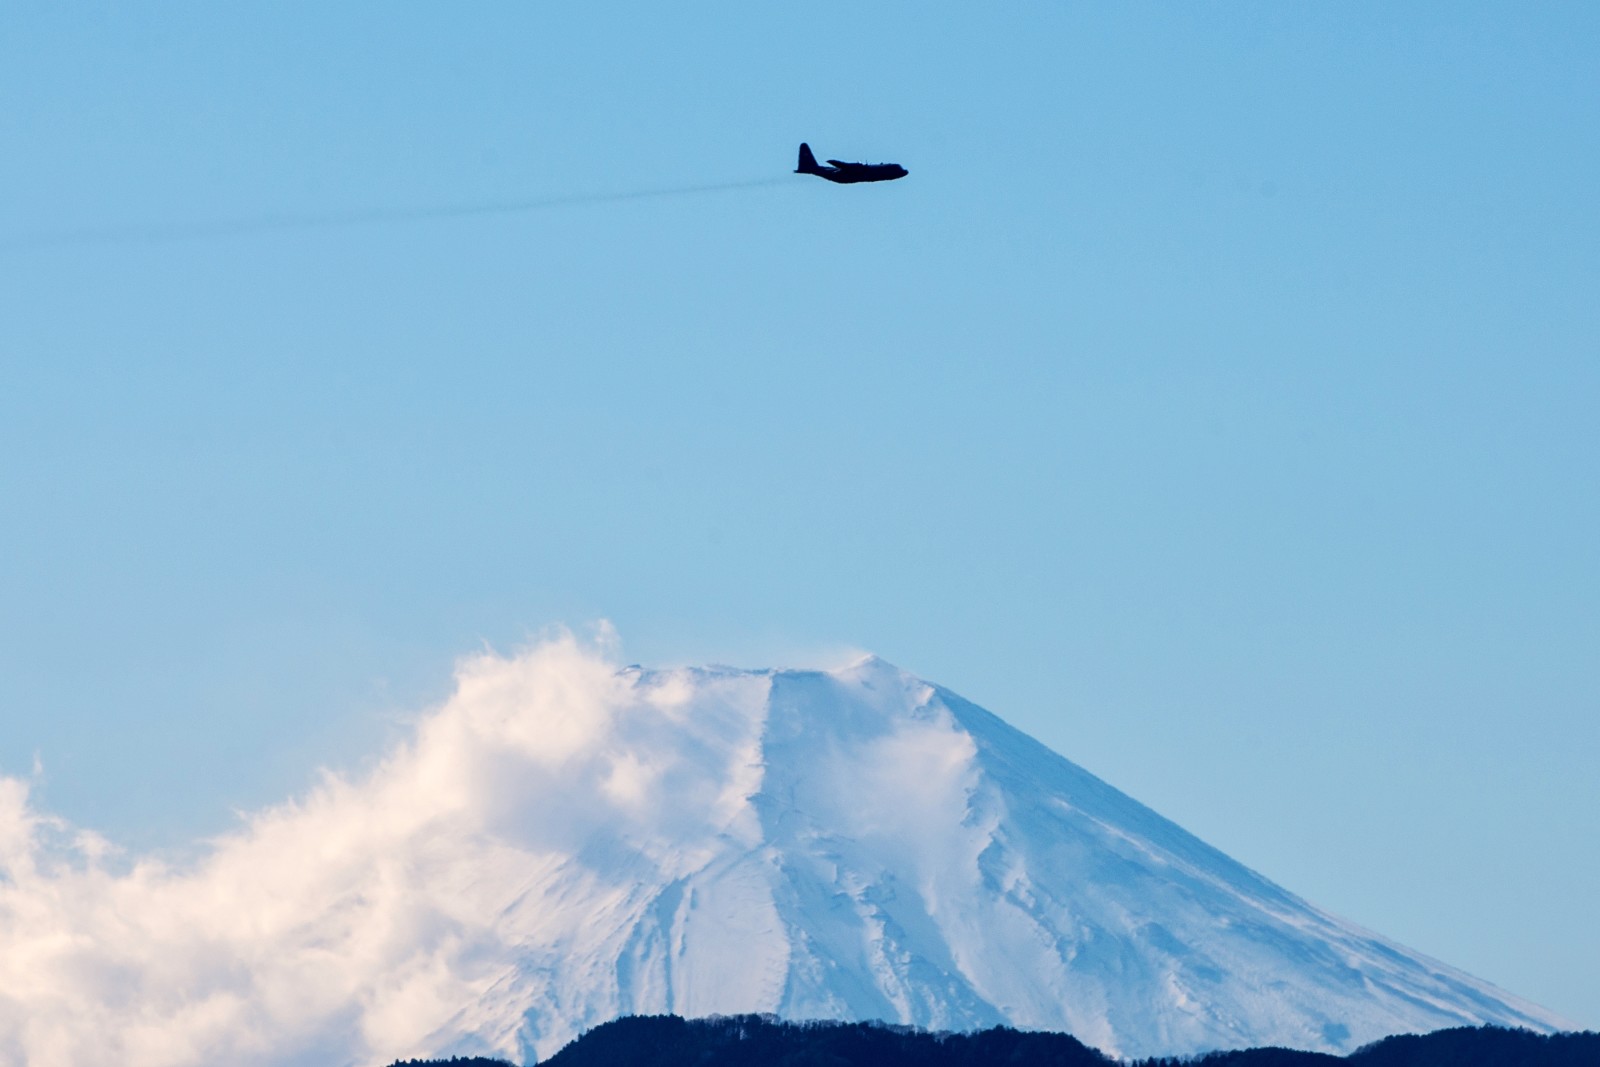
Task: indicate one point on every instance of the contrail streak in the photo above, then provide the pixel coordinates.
(162, 233)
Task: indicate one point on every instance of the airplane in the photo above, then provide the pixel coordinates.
(848, 173)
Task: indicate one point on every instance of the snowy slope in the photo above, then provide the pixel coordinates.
(859, 844)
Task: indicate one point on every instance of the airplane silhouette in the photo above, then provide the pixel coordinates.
(848, 173)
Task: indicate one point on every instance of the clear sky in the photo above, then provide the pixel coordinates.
(1216, 400)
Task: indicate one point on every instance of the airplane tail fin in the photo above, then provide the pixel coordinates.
(808, 162)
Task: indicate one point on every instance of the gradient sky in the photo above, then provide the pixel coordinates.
(1216, 400)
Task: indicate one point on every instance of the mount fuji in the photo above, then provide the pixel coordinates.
(860, 844)
(564, 841)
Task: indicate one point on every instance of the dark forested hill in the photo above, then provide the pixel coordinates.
(1467, 1046)
(667, 1041)
(762, 1041)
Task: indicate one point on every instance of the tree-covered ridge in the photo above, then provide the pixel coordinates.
(1466, 1046)
(737, 1041)
(765, 1041)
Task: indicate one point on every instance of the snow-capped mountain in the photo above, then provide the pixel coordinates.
(562, 842)
(859, 844)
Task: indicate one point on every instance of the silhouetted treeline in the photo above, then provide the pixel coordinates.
(1465, 1046)
(746, 1040)
(764, 1041)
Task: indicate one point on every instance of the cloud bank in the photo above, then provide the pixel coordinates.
(356, 923)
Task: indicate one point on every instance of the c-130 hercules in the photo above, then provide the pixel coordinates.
(848, 173)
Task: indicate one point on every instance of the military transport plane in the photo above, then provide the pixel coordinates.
(847, 173)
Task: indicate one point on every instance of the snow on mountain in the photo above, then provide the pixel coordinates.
(564, 842)
(858, 844)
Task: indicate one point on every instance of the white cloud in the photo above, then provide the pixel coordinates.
(349, 925)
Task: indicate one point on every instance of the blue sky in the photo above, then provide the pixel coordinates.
(1215, 401)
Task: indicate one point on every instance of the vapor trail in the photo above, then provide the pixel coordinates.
(163, 233)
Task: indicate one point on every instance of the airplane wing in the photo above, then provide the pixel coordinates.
(841, 164)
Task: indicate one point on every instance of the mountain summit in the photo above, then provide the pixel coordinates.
(860, 844)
